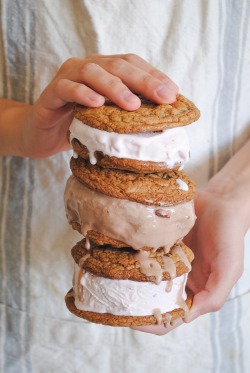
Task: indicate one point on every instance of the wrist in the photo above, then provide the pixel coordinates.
(233, 190)
(14, 117)
(224, 186)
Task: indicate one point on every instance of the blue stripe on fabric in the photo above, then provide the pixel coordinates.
(12, 248)
(241, 61)
(31, 173)
(228, 338)
(214, 329)
(27, 328)
(2, 197)
(17, 295)
(239, 298)
(3, 192)
(212, 165)
(228, 64)
(225, 134)
(232, 358)
(3, 181)
(4, 75)
(14, 15)
(229, 356)
(240, 331)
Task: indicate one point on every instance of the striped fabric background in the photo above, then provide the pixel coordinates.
(36, 332)
(17, 179)
(234, 24)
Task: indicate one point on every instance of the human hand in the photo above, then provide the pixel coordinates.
(87, 81)
(217, 240)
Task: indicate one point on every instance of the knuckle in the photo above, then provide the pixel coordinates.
(216, 305)
(93, 57)
(131, 57)
(87, 67)
(154, 72)
(69, 63)
(148, 79)
(57, 85)
(62, 85)
(74, 89)
(117, 64)
(113, 82)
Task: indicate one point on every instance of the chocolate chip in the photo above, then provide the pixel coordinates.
(162, 213)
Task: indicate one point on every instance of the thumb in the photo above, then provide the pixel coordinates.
(216, 291)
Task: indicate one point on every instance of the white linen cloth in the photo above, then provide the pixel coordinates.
(204, 46)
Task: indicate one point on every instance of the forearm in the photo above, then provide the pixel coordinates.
(13, 115)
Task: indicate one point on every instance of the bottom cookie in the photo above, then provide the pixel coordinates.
(113, 320)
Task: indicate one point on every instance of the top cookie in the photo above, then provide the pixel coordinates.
(148, 118)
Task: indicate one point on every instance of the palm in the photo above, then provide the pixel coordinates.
(217, 241)
(49, 129)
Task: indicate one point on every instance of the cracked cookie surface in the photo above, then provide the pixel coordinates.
(149, 189)
(147, 118)
(123, 264)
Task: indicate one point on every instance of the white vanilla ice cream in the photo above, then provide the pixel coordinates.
(125, 297)
(133, 223)
(170, 146)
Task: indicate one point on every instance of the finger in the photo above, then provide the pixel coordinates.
(213, 297)
(115, 77)
(65, 91)
(139, 62)
(217, 289)
(101, 81)
(158, 329)
(138, 75)
(149, 82)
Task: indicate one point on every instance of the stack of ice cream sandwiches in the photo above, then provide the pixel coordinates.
(133, 204)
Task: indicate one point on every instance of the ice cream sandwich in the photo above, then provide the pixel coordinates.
(149, 139)
(124, 287)
(105, 219)
(131, 200)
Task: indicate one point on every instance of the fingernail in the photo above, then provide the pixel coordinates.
(164, 92)
(130, 97)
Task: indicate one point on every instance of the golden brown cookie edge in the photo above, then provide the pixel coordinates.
(147, 118)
